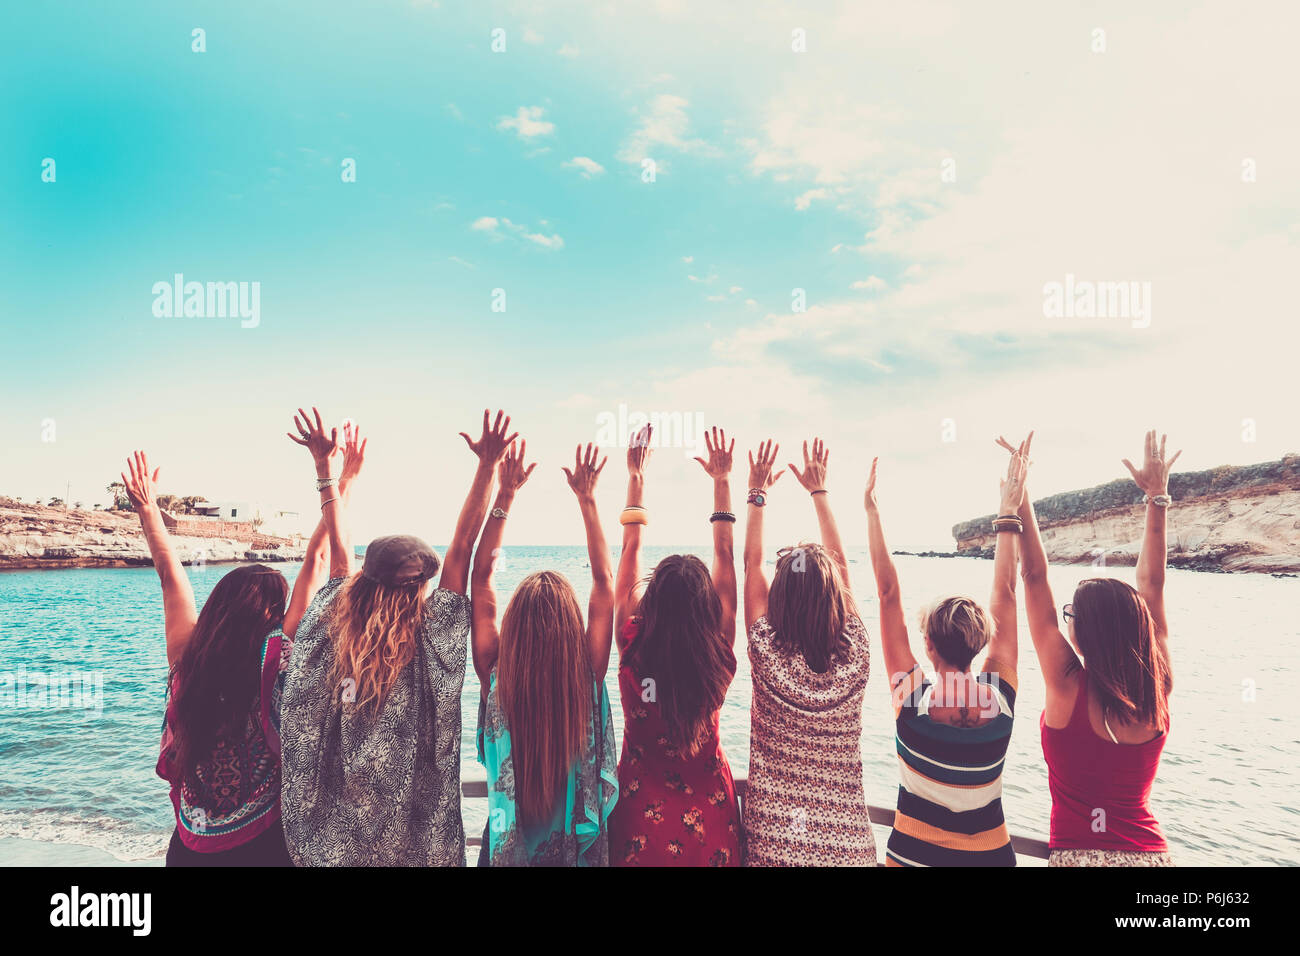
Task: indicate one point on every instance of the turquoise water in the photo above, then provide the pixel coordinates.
(1226, 793)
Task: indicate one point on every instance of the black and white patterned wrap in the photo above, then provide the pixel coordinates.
(380, 789)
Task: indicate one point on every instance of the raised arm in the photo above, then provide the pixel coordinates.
(316, 562)
(1153, 480)
(629, 560)
(323, 448)
(899, 660)
(1056, 659)
(813, 479)
(760, 479)
(600, 607)
(179, 612)
(490, 448)
(718, 467)
(485, 639)
(1002, 603)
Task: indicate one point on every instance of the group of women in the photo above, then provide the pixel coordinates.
(322, 725)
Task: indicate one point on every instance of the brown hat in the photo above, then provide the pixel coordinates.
(387, 560)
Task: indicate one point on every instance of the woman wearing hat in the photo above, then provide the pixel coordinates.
(370, 724)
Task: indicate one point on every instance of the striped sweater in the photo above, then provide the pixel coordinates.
(950, 794)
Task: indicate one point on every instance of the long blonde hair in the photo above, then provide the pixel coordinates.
(375, 632)
(544, 686)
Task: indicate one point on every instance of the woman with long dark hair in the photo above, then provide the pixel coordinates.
(1106, 719)
(220, 747)
(810, 661)
(676, 633)
(545, 731)
(371, 717)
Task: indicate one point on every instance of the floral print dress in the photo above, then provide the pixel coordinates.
(674, 809)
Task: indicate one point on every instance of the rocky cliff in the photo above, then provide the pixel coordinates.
(34, 536)
(1229, 518)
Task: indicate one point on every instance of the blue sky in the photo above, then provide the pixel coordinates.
(777, 170)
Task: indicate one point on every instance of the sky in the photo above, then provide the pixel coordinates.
(854, 215)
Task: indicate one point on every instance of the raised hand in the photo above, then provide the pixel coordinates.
(1153, 478)
(719, 462)
(1012, 487)
(760, 469)
(141, 487)
(323, 447)
(871, 488)
(494, 441)
(585, 471)
(813, 476)
(639, 450)
(354, 453)
(512, 473)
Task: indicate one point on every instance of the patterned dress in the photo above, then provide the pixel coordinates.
(674, 809)
(380, 788)
(576, 834)
(237, 797)
(805, 805)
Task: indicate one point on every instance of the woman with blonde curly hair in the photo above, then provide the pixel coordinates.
(371, 718)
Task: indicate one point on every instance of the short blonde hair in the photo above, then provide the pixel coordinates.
(958, 628)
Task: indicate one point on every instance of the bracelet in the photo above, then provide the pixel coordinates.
(1160, 501)
(634, 514)
(327, 501)
(498, 513)
(722, 516)
(756, 497)
(323, 483)
(819, 491)
(1007, 518)
(1008, 523)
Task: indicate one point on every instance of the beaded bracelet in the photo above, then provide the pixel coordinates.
(722, 516)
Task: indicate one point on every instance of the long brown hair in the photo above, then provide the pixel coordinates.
(681, 647)
(219, 676)
(1129, 667)
(544, 685)
(809, 605)
(375, 630)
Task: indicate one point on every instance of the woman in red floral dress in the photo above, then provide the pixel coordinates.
(677, 802)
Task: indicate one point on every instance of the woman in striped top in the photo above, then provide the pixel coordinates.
(953, 732)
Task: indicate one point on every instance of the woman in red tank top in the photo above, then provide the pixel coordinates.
(677, 801)
(1107, 714)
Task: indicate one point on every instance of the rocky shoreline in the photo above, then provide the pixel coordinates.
(35, 537)
(1226, 519)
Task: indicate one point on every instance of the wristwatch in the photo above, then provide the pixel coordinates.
(756, 497)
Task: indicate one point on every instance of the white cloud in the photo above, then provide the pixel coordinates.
(663, 129)
(500, 228)
(568, 50)
(871, 284)
(586, 165)
(688, 259)
(532, 37)
(527, 122)
(805, 200)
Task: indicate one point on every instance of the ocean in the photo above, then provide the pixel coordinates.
(1226, 793)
